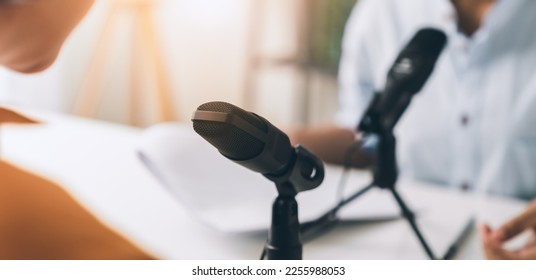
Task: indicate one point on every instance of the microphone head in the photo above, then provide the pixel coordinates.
(233, 142)
(416, 62)
(407, 76)
(427, 41)
(243, 137)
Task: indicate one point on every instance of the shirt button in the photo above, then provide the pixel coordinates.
(465, 187)
(464, 120)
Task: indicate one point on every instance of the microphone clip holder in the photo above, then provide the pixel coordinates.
(305, 172)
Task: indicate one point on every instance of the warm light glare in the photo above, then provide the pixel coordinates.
(212, 11)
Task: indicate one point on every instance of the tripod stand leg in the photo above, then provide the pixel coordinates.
(410, 217)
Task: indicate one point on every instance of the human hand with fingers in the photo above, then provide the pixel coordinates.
(493, 239)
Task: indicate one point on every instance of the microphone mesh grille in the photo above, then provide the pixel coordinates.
(427, 41)
(231, 141)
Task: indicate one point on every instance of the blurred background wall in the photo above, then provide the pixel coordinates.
(278, 58)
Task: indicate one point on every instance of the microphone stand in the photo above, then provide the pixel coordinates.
(284, 242)
(384, 169)
(304, 173)
(385, 175)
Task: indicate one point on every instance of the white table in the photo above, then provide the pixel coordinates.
(96, 162)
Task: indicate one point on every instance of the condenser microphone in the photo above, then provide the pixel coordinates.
(253, 142)
(407, 76)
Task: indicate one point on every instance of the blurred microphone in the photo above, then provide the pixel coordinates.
(255, 143)
(407, 76)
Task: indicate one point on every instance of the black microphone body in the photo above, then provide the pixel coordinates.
(407, 76)
(249, 140)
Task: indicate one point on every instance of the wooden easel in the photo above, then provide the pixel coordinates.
(146, 62)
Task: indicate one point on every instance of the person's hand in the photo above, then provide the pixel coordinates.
(493, 240)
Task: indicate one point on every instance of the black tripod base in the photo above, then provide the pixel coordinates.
(276, 253)
(385, 173)
(410, 217)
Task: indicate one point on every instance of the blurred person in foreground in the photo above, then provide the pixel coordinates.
(471, 127)
(32, 31)
(38, 218)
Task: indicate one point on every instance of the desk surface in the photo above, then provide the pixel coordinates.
(97, 163)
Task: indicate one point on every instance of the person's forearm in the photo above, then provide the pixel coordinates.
(330, 143)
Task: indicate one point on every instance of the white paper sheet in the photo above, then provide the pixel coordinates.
(232, 198)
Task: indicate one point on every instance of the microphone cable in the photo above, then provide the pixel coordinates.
(347, 165)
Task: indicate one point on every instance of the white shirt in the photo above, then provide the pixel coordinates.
(474, 122)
